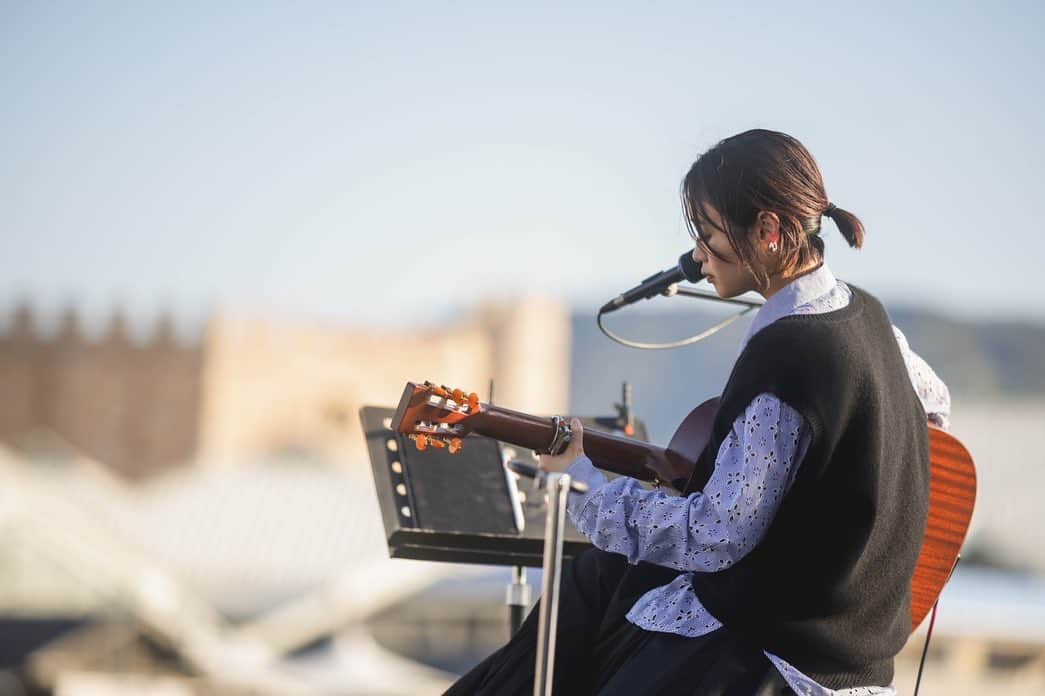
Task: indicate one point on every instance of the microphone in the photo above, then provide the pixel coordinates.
(687, 269)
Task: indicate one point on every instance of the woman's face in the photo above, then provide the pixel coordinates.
(724, 271)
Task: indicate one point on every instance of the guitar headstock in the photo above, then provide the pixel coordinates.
(435, 415)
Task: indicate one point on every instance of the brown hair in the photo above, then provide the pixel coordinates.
(765, 170)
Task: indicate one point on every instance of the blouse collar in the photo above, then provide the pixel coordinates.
(800, 291)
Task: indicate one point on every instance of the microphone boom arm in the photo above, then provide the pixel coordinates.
(667, 283)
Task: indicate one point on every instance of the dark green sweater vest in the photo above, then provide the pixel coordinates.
(828, 588)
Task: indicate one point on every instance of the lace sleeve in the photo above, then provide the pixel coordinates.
(712, 529)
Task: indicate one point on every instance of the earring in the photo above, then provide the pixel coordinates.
(772, 247)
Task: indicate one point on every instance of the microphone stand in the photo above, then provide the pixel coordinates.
(517, 594)
(705, 295)
(557, 487)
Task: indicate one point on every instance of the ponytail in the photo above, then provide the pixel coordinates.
(848, 224)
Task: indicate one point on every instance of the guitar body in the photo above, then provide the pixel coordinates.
(438, 418)
(952, 495)
(690, 439)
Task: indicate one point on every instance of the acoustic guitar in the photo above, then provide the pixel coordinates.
(437, 416)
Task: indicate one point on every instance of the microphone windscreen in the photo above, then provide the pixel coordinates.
(690, 268)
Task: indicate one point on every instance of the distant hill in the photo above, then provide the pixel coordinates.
(982, 359)
(978, 358)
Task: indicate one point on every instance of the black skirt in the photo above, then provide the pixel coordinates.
(598, 651)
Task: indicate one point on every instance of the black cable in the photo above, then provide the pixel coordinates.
(925, 650)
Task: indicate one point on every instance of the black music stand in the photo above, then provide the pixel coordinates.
(467, 507)
(438, 506)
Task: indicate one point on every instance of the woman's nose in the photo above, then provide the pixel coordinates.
(698, 254)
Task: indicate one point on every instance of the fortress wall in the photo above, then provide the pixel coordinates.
(257, 387)
(133, 406)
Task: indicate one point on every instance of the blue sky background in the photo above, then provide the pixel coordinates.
(391, 163)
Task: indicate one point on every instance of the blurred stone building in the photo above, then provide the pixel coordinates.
(134, 407)
(254, 386)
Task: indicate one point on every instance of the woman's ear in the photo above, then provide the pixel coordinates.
(767, 227)
(766, 240)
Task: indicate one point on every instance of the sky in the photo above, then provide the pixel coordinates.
(392, 163)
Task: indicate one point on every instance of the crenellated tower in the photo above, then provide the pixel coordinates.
(133, 406)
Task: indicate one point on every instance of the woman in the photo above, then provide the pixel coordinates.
(788, 568)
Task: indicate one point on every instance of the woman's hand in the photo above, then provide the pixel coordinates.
(558, 462)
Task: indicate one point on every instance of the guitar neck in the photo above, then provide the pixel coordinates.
(621, 455)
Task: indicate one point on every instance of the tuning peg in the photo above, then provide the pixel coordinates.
(423, 442)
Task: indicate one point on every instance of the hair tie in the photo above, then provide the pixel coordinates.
(829, 209)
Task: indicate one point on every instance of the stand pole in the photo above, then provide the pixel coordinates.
(518, 598)
(557, 487)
